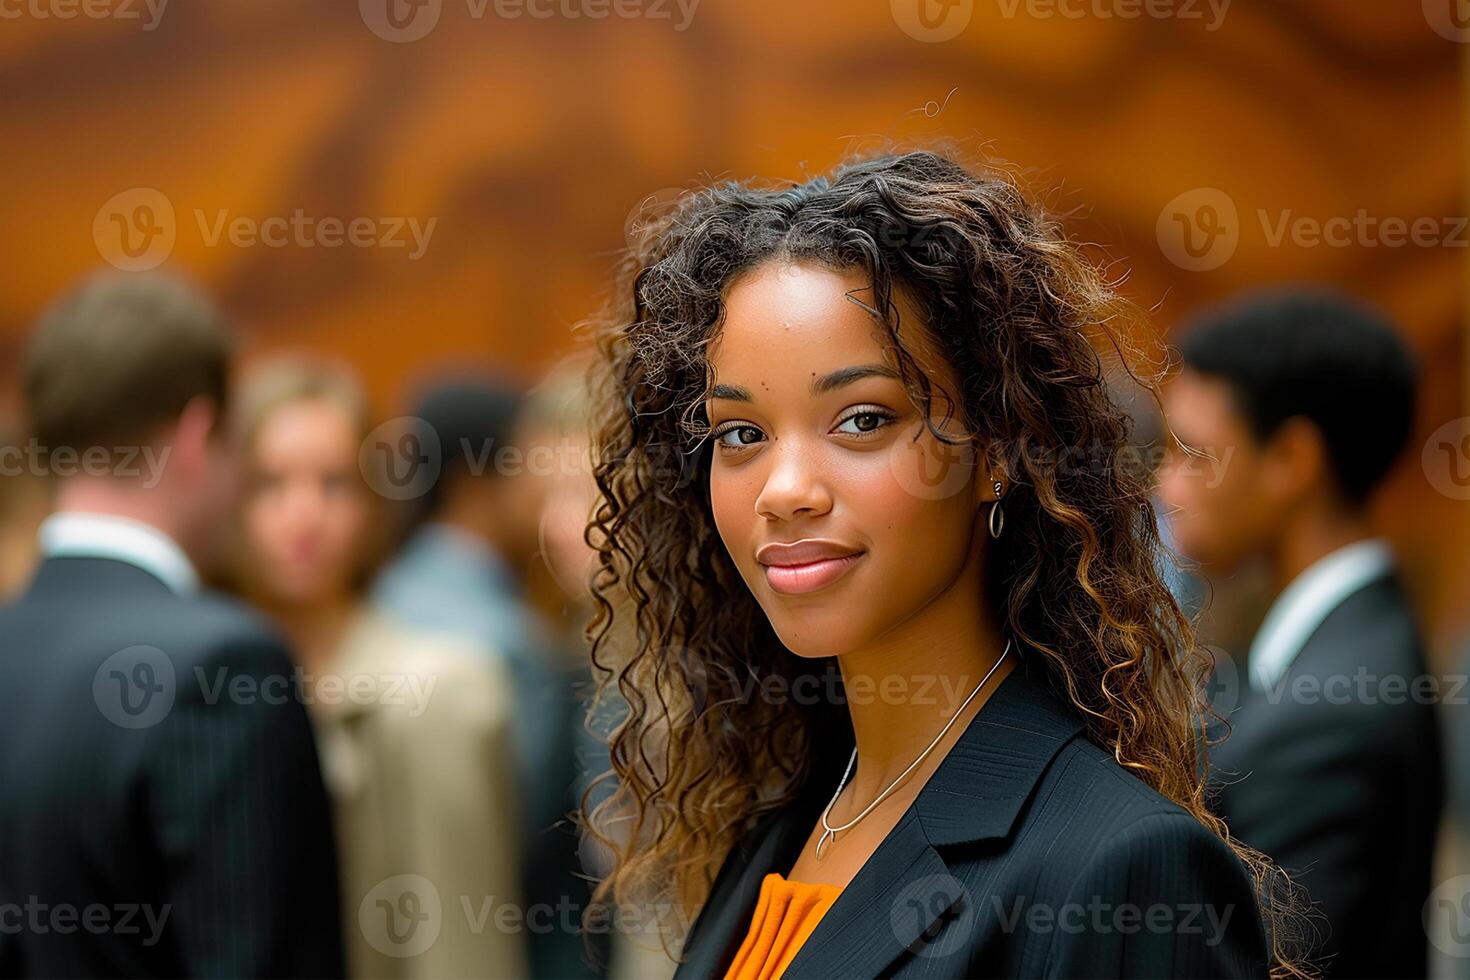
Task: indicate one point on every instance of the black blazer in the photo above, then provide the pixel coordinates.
(1029, 852)
(1343, 787)
(195, 835)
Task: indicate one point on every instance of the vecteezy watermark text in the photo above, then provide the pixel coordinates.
(1098, 916)
(137, 687)
(137, 230)
(35, 459)
(934, 21)
(402, 916)
(150, 12)
(39, 918)
(1200, 229)
(405, 21)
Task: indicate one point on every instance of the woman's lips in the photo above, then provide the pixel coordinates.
(810, 576)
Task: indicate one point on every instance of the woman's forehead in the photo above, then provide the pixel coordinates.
(800, 321)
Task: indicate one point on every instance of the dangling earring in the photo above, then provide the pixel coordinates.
(997, 516)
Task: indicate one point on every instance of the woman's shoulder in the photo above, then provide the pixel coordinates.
(1147, 880)
(1109, 807)
(1107, 832)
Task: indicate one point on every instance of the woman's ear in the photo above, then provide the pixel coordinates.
(991, 484)
(997, 487)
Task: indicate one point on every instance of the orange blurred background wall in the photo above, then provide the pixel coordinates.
(528, 142)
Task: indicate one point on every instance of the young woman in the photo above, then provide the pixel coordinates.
(414, 729)
(862, 421)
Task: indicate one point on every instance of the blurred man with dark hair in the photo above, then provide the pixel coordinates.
(1303, 400)
(163, 812)
(459, 572)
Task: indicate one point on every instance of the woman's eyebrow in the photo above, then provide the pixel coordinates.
(820, 386)
(847, 375)
(733, 393)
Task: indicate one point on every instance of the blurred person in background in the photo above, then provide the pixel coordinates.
(415, 731)
(555, 427)
(459, 573)
(1146, 439)
(1304, 399)
(24, 503)
(130, 780)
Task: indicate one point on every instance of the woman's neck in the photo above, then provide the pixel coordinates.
(903, 691)
(316, 631)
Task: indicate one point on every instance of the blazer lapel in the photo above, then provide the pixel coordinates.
(771, 847)
(893, 901)
(896, 901)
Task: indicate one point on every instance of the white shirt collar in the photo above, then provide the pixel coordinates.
(76, 534)
(1307, 601)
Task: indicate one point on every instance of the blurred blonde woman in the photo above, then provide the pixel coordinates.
(414, 731)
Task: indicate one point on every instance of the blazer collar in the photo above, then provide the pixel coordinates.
(982, 784)
(76, 534)
(976, 794)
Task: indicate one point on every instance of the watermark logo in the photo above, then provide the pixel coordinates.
(1446, 917)
(1450, 19)
(135, 230)
(401, 458)
(1222, 687)
(932, 21)
(932, 915)
(134, 688)
(401, 916)
(1446, 459)
(931, 468)
(1199, 230)
(401, 21)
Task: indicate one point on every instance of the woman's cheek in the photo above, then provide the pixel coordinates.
(930, 470)
(918, 504)
(884, 507)
(732, 502)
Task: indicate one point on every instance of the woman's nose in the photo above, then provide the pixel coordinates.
(794, 486)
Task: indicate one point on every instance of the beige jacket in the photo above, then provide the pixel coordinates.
(415, 735)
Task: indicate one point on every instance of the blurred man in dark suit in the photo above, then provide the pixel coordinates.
(162, 811)
(1304, 399)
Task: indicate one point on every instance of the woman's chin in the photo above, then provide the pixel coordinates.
(816, 637)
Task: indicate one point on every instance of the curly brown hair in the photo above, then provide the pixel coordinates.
(1021, 313)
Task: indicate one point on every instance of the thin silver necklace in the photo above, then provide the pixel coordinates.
(830, 832)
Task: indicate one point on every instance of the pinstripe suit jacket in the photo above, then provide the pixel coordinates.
(1030, 852)
(1335, 771)
(161, 807)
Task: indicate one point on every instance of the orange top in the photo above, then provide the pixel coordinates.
(785, 915)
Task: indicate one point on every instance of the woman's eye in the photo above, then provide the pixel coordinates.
(743, 435)
(863, 423)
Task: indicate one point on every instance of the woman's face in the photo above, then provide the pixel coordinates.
(305, 510)
(569, 498)
(842, 523)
